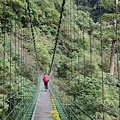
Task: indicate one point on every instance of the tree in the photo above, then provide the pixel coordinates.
(113, 44)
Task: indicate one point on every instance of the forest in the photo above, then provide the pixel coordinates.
(85, 70)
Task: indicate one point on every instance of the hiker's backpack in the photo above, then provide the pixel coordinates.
(46, 78)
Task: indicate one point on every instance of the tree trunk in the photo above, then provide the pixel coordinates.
(113, 43)
(112, 57)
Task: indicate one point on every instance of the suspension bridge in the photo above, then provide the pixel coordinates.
(24, 98)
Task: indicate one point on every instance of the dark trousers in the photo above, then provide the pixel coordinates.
(46, 85)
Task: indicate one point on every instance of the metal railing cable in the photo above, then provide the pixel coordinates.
(95, 103)
(84, 111)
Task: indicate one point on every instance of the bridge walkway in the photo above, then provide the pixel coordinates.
(43, 106)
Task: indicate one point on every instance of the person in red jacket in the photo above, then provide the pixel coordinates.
(46, 80)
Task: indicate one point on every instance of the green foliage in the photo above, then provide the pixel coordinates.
(89, 92)
(109, 5)
(57, 4)
(62, 66)
(75, 59)
(43, 54)
(55, 16)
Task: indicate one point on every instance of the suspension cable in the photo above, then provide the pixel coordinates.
(10, 79)
(15, 62)
(74, 46)
(91, 71)
(101, 34)
(78, 42)
(57, 35)
(21, 62)
(84, 50)
(4, 56)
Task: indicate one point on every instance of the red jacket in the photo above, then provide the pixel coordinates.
(46, 78)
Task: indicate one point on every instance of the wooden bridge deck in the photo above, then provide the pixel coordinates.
(43, 106)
